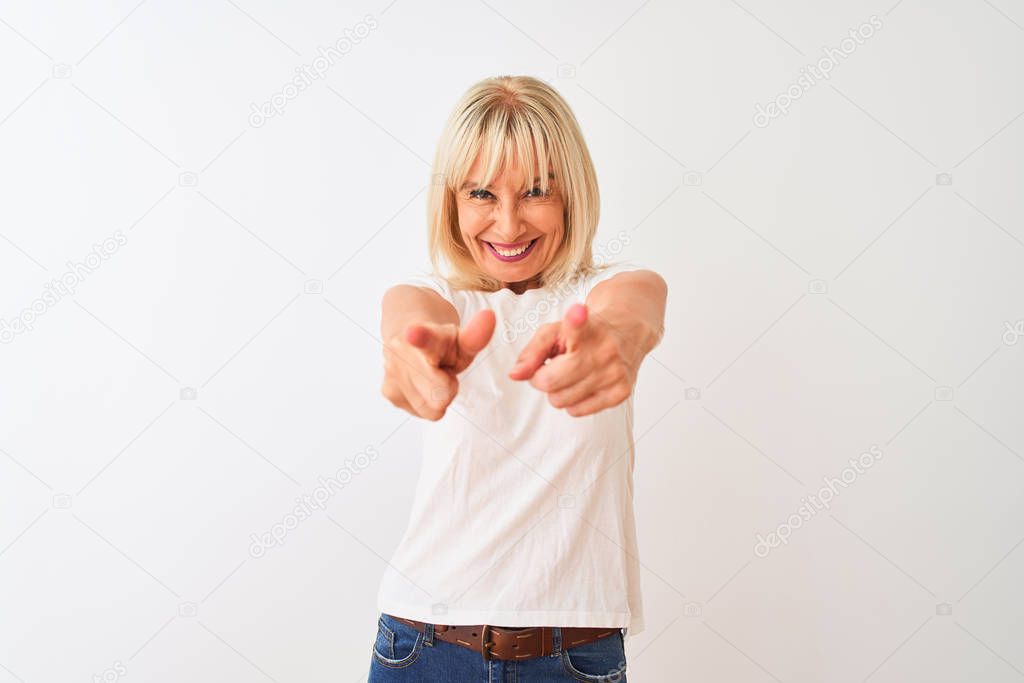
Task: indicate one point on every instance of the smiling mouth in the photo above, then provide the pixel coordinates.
(511, 252)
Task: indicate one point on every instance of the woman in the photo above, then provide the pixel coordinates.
(520, 559)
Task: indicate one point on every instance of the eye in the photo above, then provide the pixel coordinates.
(535, 193)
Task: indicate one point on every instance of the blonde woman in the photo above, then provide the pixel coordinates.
(520, 559)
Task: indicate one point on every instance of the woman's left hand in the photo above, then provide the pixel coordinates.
(593, 366)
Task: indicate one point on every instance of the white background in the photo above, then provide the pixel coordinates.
(830, 291)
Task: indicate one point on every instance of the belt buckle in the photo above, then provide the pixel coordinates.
(483, 642)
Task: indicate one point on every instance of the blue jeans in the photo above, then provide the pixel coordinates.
(401, 654)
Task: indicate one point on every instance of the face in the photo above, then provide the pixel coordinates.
(512, 228)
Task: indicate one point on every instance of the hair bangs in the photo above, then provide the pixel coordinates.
(511, 141)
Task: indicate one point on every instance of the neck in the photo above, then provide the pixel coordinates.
(520, 287)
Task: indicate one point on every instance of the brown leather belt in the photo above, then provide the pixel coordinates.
(499, 642)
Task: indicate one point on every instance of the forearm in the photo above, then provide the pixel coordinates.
(403, 305)
(633, 305)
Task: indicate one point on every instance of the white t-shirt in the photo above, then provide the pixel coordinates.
(523, 514)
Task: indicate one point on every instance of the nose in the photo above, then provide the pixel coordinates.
(507, 224)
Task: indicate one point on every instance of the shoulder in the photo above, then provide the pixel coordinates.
(607, 271)
(462, 300)
(433, 282)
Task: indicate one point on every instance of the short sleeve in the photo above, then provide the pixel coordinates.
(433, 282)
(607, 273)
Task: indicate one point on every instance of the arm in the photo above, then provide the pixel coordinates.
(424, 349)
(597, 349)
(633, 305)
(403, 305)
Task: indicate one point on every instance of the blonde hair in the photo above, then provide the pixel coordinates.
(512, 120)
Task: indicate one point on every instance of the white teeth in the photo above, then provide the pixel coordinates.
(512, 252)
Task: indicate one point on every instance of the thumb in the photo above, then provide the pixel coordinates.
(474, 337)
(574, 324)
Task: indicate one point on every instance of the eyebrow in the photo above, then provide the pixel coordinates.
(476, 183)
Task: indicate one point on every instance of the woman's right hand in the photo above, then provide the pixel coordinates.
(422, 361)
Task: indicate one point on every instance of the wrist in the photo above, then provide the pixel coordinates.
(637, 335)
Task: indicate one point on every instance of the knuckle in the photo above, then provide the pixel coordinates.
(390, 392)
(617, 371)
(438, 396)
(620, 393)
